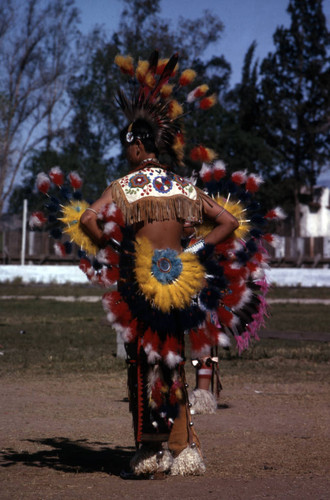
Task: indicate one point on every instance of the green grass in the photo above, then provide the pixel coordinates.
(78, 290)
(39, 289)
(299, 292)
(313, 318)
(58, 338)
(73, 337)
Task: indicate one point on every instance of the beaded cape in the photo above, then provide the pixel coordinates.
(155, 193)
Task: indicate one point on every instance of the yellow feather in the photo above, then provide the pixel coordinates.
(166, 90)
(175, 109)
(237, 210)
(71, 217)
(141, 70)
(166, 296)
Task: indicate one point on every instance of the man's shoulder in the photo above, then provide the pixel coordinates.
(155, 180)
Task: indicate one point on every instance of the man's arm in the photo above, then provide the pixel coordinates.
(225, 222)
(88, 220)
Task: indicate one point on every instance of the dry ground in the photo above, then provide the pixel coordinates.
(69, 438)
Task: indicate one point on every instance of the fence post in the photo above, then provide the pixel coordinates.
(24, 232)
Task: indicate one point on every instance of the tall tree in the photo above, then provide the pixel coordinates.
(296, 104)
(36, 61)
(141, 30)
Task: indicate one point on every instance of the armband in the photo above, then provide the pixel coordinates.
(220, 213)
(195, 247)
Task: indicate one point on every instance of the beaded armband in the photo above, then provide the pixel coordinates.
(195, 247)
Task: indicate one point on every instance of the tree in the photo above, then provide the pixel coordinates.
(36, 61)
(93, 91)
(240, 141)
(91, 139)
(295, 98)
(141, 30)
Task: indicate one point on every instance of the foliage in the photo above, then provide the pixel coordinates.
(275, 122)
(295, 98)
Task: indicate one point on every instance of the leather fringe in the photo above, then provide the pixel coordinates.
(156, 208)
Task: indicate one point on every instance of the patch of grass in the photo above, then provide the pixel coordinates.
(286, 349)
(276, 292)
(313, 318)
(54, 338)
(43, 337)
(39, 289)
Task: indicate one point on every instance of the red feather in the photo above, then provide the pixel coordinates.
(219, 170)
(75, 180)
(111, 213)
(225, 316)
(238, 177)
(212, 332)
(112, 230)
(84, 265)
(252, 266)
(252, 183)
(269, 238)
(59, 249)
(43, 182)
(198, 340)
(37, 219)
(157, 393)
(275, 213)
(56, 176)
(233, 298)
(206, 173)
(110, 256)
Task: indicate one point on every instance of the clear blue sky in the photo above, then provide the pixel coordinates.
(244, 21)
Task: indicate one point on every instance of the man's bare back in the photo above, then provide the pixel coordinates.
(164, 234)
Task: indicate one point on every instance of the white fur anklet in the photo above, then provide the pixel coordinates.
(202, 402)
(188, 463)
(149, 461)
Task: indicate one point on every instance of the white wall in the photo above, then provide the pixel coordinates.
(318, 223)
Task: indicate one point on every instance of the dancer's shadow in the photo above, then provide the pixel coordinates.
(71, 456)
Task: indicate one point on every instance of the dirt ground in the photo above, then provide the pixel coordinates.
(69, 438)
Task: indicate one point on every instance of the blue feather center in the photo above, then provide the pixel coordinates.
(166, 265)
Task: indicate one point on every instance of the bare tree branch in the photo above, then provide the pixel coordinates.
(36, 61)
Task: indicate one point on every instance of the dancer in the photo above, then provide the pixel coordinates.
(156, 211)
(132, 238)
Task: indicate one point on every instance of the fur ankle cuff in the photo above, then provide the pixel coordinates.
(149, 461)
(203, 402)
(188, 463)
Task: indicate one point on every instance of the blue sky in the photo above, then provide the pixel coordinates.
(244, 21)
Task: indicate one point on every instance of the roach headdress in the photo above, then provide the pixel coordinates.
(153, 100)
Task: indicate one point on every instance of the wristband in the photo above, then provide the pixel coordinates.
(92, 210)
(196, 247)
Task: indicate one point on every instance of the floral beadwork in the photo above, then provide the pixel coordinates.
(162, 184)
(139, 180)
(181, 180)
(155, 182)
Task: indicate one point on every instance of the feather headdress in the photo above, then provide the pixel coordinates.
(153, 101)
